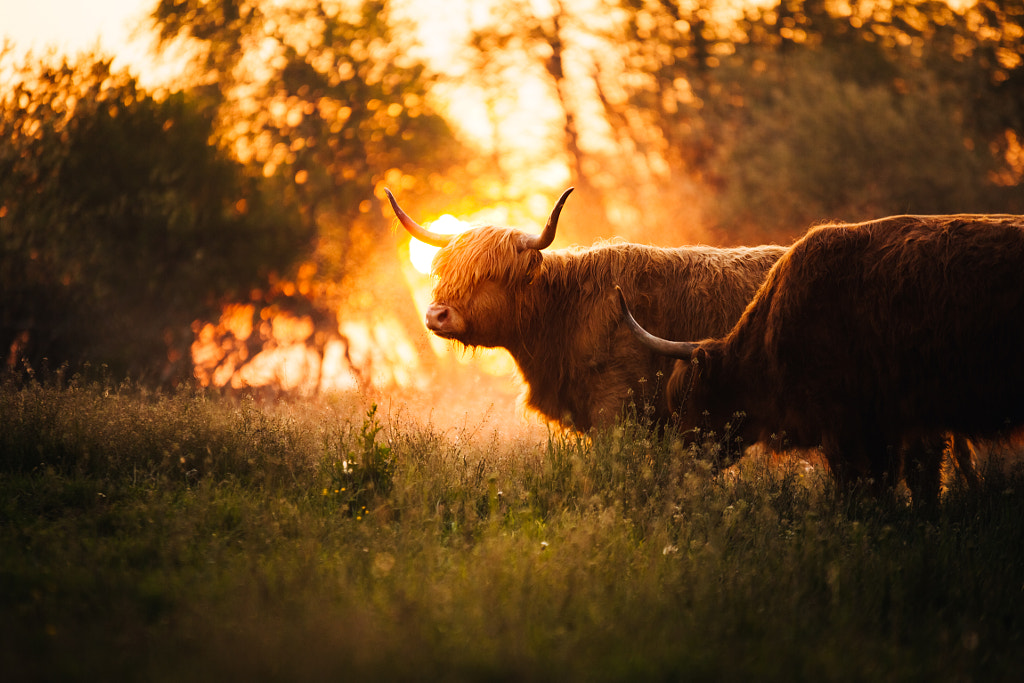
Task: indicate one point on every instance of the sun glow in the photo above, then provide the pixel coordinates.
(422, 254)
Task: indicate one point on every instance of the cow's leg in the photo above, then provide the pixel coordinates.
(850, 460)
(922, 467)
(961, 451)
(884, 461)
(862, 460)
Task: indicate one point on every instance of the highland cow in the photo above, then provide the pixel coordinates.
(552, 310)
(872, 341)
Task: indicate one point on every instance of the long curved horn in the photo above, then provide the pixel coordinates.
(434, 239)
(548, 235)
(674, 349)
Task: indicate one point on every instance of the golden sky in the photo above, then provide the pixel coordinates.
(73, 26)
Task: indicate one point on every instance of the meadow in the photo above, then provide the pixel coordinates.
(184, 536)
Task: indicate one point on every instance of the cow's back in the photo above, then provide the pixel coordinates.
(586, 365)
(907, 322)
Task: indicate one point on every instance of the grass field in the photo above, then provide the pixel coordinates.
(172, 537)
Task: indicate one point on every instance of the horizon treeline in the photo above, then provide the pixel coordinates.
(127, 215)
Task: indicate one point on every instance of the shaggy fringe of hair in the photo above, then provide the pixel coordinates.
(484, 253)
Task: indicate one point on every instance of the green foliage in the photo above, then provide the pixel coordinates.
(120, 222)
(800, 112)
(478, 556)
(336, 104)
(820, 147)
(95, 429)
(324, 101)
(355, 479)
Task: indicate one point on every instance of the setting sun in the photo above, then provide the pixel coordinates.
(422, 254)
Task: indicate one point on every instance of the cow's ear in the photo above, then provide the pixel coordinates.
(534, 259)
(699, 361)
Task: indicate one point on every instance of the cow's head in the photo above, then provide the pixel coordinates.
(482, 275)
(695, 390)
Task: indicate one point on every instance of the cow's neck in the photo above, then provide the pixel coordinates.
(547, 348)
(543, 334)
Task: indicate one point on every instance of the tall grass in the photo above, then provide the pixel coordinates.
(148, 536)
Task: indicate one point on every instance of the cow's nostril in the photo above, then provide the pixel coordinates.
(439, 317)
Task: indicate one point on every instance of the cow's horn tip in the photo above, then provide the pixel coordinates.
(623, 305)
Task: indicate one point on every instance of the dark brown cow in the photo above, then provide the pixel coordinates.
(871, 340)
(553, 310)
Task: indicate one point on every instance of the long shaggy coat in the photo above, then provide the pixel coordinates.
(552, 310)
(866, 337)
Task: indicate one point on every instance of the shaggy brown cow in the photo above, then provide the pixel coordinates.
(871, 340)
(552, 310)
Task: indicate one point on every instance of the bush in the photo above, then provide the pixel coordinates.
(120, 222)
(819, 147)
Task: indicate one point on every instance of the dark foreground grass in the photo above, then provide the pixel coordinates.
(180, 537)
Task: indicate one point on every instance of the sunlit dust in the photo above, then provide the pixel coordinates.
(313, 343)
(422, 254)
(276, 349)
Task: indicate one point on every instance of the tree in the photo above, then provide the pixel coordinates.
(818, 147)
(321, 95)
(810, 110)
(323, 99)
(120, 222)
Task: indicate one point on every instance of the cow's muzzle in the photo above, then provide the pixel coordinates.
(444, 321)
